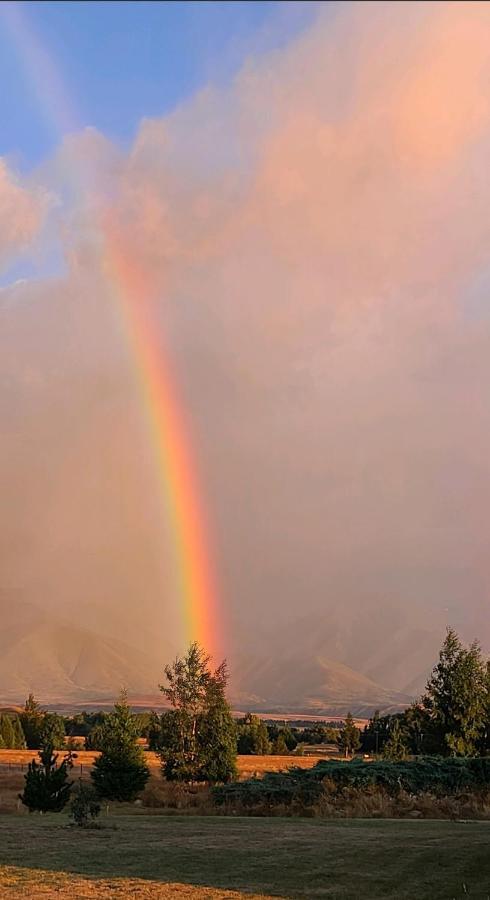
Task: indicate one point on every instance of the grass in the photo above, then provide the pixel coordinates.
(289, 858)
(247, 765)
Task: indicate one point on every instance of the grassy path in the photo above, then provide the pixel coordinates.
(289, 858)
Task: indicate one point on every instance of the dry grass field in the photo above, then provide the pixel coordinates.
(17, 760)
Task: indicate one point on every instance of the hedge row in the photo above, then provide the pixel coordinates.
(425, 774)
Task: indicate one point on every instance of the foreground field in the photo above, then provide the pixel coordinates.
(289, 858)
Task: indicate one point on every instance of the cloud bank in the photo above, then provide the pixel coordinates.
(317, 236)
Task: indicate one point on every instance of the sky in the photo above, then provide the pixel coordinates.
(304, 188)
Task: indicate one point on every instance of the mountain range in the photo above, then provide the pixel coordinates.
(303, 667)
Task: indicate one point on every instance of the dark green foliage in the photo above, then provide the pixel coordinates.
(304, 786)
(6, 732)
(154, 732)
(198, 735)
(85, 806)
(19, 737)
(349, 739)
(120, 772)
(52, 731)
(395, 747)
(31, 720)
(252, 736)
(47, 788)
(455, 698)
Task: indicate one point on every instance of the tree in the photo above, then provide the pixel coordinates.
(31, 720)
(7, 732)
(279, 747)
(19, 737)
(455, 698)
(51, 731)
(198, 736)
(120, 772)
(47, 788)
(395, 748)
(349, 739)
(253, 737)
(85, 806)
(154, 732)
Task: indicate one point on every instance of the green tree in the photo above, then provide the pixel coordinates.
(19, 737)
(349, 739)
(279, 746)
(253, 737)
(7, 732)
(455, 698)
(31, 720)
(47, 788)
(395, 747)
(154, 732)
(120, 772)
(85, 805)
(52, 731)
(198, 740)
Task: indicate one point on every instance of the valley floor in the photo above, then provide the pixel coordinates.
(193, 857)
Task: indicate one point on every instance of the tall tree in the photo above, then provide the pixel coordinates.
(7, 732)
(253, 737)
(31, 721)
(19, 737)
(120, 772)
(52, 731)
(349, 739)
(198, 740)
(47, 788)
(395, 747)
(455, 697)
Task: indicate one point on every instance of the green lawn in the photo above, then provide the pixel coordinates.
(284, 857)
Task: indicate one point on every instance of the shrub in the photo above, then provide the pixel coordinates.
(47, 788)
(85, 806)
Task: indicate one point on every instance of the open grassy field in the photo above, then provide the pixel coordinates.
(247, 765)
(144, 856)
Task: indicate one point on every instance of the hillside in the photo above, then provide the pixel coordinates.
(60, 661)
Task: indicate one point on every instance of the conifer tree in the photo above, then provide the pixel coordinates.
(7, 732)
(349, 739)
(455, 698)
(395, 748)
(31, 720)
(19, 736)
(120, 772)
(47, 788)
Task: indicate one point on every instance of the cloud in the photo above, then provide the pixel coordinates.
(311, 233)
(21, 214)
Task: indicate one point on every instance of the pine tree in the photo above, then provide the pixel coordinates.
(7, 732)
(395, 748)
(198, 741)
(349, 739)
(31, 720)
(455, 698)
(279, 747)
(19, 737)
(120, 772)
(47, 788)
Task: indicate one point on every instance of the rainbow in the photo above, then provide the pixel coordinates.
(134, 295)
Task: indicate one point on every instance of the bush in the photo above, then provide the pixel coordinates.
(47, 788)
(304, 787)
(85, 806)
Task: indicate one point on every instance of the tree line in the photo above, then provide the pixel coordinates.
(197, 738)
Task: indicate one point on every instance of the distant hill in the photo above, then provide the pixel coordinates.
(310, 684)
(60, 661)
